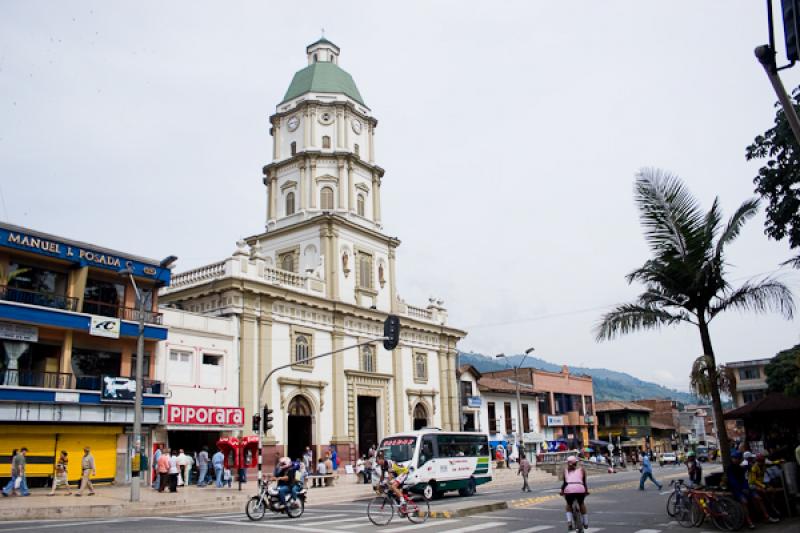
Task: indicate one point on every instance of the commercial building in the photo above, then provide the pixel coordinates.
(625, 424)
(751, 380)
(68, 330)
(199, 364)
(489, 405)
(323, 277)
(664, 424)
(566, 405)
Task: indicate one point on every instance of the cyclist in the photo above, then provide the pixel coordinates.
(396, 475)
(574, 489)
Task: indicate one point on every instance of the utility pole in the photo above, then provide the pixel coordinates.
(766, 56)
(519, 400)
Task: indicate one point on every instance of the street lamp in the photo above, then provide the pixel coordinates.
(519, 401)
(137, 403)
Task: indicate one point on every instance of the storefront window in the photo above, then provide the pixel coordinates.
(145, 365)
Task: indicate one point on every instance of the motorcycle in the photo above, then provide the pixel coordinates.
(268, 498)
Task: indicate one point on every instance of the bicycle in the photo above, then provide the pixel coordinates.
(577, 517)
(381, 509)
(725, 512)
(675, 500)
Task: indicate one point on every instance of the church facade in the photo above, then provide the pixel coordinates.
(322, 277)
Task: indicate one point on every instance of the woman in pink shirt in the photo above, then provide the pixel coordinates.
(575, 488)
(163, 470)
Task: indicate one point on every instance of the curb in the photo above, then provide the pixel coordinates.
(468, 511)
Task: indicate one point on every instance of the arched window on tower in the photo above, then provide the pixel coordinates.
(360, 205)
(355, 149)
(287, 262)
(326, 198)
(421, 367)
(290, 204)
(326, 141)
(293, 148)
(367, 359)
(302, 350)
(316, 58)
(364, 270)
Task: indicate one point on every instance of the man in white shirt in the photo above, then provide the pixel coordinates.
(181, 468)
(173, 471)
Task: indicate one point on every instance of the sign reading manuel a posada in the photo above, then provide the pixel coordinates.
(77, 252)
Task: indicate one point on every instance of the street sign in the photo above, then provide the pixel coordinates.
(610, 447)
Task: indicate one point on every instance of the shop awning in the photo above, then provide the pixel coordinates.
(772, 404)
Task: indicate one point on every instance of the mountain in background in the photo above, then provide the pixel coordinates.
(608, 384)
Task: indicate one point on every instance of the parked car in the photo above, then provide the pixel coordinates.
(668, 458)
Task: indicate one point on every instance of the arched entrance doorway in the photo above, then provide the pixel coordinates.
(420, 416)
(298, 427)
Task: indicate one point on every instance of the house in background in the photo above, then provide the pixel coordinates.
(751, 380)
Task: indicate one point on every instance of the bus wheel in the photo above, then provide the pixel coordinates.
(469, 490)
(429, 492)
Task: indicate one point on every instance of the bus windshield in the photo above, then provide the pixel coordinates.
(399, 449)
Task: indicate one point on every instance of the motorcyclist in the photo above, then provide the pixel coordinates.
(286, 475)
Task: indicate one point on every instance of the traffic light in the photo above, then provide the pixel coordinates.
(267, 418)
(256, 423)
(391, 330)
(791, 28)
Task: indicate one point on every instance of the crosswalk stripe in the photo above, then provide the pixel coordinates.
(648, 531)
(478, 527)
(593, 529)
(533, 529)
(429, 523)
(333, 522)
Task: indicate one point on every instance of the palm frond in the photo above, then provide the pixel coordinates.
(668, 212)
(745, 212)
(767, 295)
(700, 380)
(627, 318)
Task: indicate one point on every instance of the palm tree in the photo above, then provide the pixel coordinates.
(685, 277)
(698, 379)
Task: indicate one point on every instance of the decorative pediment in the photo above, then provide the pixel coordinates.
(362, 187)
(326, 178)
(287, 385)
(288, 185)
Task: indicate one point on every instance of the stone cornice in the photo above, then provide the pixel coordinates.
(330, 219)
(270, 169)
(320, 104)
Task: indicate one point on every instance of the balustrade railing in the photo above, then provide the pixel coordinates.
(419, 312)
(116, 311)
(206, 272)
(284, 277)
(44, 299)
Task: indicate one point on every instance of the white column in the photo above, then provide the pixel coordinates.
(342, 185)
(371, 137)
(303, 186)
(276, 137)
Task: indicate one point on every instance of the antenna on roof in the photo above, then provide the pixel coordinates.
(323, 31)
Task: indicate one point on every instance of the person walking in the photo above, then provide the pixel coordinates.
(308, 458)
(162, 470)
(181, 459)
(174, 470)
(156, 474)
(87, 470)
(218, 461)
(647, 472)
(60, 477)
(524, 470)
(18, 481)
(334, 459)
(202, 466)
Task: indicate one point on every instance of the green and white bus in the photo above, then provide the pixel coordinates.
(441, 461)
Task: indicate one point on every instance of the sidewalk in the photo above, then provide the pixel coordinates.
(113, 500)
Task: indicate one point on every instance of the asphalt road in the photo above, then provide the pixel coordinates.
(615, 506)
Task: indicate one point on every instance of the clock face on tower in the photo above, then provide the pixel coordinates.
(293, 123)
(357, 126)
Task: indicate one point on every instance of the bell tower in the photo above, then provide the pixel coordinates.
(323, 157)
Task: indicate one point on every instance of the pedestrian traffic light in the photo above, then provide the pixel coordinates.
(256, 422)
(391, 332)
(267, 418)
(791, 28)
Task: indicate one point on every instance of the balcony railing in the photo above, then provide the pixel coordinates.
(44, 299)
(116, 311)
(60, 380)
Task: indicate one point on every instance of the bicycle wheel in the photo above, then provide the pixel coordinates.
(698, 513)
(673, 503)
(683, 514)
(577, 517)
(726, 514)
(380, 510)
(255, 508)
(418, 509)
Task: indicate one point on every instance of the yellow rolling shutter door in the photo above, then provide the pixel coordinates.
(104, 450)
(45, 442)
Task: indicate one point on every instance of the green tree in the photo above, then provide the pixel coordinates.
(783, 372)
(778, 181)
(685, 279)
(700, 384)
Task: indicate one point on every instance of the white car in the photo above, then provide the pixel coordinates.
(668, 458)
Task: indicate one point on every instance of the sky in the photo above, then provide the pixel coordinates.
(510, 132)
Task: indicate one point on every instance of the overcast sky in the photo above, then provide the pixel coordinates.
(510, 133)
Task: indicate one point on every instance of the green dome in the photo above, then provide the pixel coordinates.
(323, 77)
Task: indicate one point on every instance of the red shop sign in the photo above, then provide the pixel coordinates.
(205, 415)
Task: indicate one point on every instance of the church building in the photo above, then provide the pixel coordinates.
(322, 277)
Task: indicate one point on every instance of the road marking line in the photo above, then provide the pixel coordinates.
(533, 529)
(337, 521)
(648, 531)
(593, 529)
(477, 527)
(70, 524)
(281, 525)
(416, 526)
